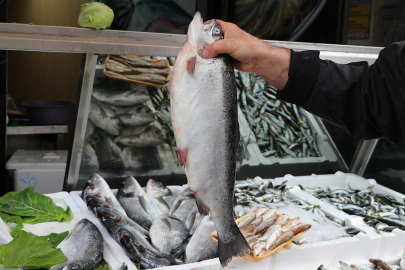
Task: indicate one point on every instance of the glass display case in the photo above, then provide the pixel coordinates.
(135, 138)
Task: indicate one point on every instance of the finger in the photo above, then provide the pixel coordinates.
(215, 48)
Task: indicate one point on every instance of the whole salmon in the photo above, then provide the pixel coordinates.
(205, 124)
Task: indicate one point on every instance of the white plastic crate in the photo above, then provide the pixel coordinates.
(392, 243)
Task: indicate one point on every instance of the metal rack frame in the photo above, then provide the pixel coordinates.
(25, 37)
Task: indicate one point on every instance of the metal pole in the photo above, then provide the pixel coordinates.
(363, 156)
(73, 167)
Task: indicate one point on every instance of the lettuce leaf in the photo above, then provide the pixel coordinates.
(102, 266)
(30, 251)
(14, 222)
(55, 238)
(33, 207)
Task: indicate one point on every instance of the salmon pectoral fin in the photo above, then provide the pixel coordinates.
(202, 207)
(191, 65)
(182, 155)
(235, 248)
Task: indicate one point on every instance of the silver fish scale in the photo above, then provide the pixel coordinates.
(281, 131)
(382, 212)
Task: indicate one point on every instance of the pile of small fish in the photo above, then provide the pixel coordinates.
(138, 68)
(155, 227)
(383, 212)
(120, 126)
(265, 230)
(258, 192)
(280, 130)
(378, 265)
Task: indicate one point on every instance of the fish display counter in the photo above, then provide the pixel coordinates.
(337, 233)
(128, 130)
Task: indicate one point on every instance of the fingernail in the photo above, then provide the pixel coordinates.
(205, 54)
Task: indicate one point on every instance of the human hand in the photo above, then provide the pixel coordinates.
(250, 54)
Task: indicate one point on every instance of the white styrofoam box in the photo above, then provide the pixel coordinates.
(392, 243)
(40, 169)
(64, 200)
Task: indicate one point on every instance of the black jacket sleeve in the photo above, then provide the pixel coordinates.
(368, 101)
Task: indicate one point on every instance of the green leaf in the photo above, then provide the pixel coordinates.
(55, 238)
(32, 207)
(102, 266)
(30, 251)
(14, 222)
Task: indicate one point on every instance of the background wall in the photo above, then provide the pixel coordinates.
(44, 76)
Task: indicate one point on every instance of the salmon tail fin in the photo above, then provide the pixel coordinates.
(236, 248)
(202, 207)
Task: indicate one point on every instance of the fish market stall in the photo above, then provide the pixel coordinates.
(123, 174)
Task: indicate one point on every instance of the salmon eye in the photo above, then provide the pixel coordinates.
(216, 32)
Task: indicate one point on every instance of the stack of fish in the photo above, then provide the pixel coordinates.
(378, 265)
(280, 130)
(265, 230)
(156, 226)
(383, 212)
(138, 68)
(124, 128)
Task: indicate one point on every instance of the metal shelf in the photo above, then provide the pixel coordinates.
(29, 130)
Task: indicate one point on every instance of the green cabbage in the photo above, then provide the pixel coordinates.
(95, 15)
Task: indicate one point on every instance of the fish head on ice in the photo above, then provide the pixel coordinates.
(130, 185)
(95, 186)
(158, 189)
(200, 35)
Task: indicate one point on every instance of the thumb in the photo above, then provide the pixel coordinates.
(218, 47)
